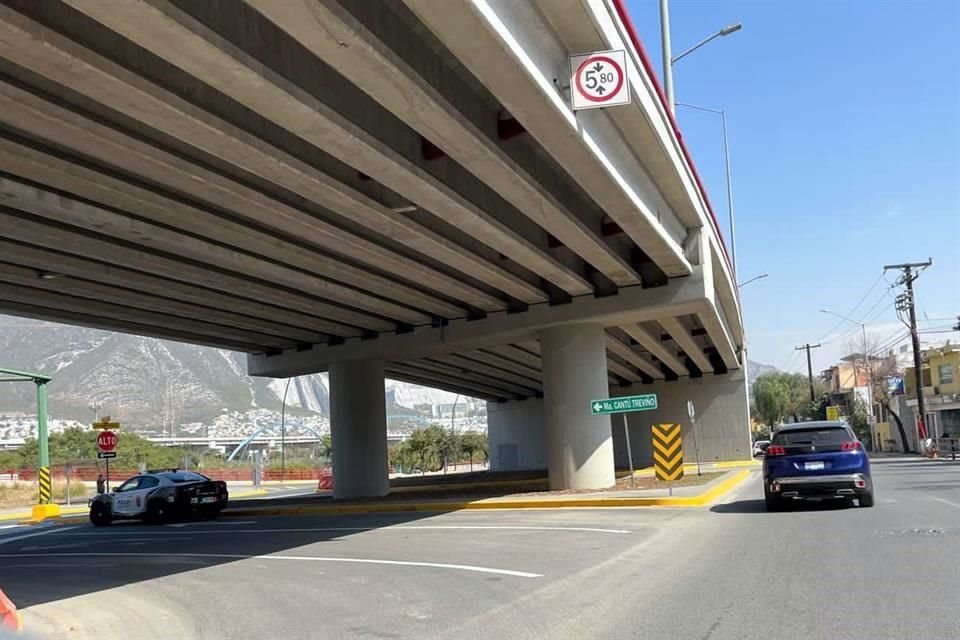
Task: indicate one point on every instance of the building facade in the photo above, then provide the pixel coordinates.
(941, 390)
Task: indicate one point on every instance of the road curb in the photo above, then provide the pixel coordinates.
(710, 495)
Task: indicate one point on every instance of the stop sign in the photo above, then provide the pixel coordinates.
(106, 441)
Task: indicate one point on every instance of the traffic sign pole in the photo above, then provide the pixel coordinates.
(692, 412)
(106, 445)
(626, 436)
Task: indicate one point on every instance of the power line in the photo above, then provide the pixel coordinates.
(862, 321)
(890, 342)
(789, 361)
(855, 307)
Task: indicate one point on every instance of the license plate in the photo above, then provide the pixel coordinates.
(208, 499)
(813, 466)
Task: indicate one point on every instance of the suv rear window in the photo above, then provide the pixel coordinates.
(828, 436)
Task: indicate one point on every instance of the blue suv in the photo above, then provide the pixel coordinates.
(816, 460)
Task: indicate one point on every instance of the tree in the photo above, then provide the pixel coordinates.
(798, 394)
(474, 443)
(75, 444)
(857, 418)
(422, 449)
(447, 443)
(881, 395)
(778, 395)
(325, 447)
(770, 398)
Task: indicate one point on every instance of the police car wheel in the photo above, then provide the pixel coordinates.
(156, 512)
(100, 514)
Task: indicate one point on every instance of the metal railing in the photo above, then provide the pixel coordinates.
(948, 446)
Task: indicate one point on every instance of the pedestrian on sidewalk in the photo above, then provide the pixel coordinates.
(101, 484)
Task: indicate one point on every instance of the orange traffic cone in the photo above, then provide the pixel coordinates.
(9, 618)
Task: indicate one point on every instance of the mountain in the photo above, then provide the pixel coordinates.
(150, 384)
(757, 369)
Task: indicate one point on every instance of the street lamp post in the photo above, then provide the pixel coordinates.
(726, 160)
(866, 363)
(746, 359)
(753, 279)
(283, 432)
(669, 60)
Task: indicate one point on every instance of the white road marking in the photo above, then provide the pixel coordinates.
(47, 530)
(217, 522)
(949, 502)
(237, 556)
(387, 528)
(9, 526)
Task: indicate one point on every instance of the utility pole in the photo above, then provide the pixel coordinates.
(905, 302)
(807, 347)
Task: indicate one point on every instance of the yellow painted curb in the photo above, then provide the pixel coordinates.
(43, 511)
(419, 488)
(252, 492)
(495, 503)
(709, 466)
(30, 517)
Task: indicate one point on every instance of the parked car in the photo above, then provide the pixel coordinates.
(156, 496)
(759, 447)
(816, 460)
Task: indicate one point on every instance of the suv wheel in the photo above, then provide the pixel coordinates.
(866, 498)
(773, 502)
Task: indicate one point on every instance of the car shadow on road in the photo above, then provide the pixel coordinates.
(759, 506)
(77, 560)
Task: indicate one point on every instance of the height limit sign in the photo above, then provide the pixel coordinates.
(599, 80)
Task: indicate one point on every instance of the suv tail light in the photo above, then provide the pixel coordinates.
(853, 445)
(776, 450)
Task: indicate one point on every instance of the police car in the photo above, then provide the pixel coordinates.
(156, 496)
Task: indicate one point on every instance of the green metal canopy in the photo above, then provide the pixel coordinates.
(41, 380)
(22, 376)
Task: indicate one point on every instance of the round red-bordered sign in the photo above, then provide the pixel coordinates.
(578, 77)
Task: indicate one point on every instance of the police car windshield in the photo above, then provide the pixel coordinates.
(185, 476)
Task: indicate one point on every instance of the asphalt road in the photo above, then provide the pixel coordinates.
(731, 571)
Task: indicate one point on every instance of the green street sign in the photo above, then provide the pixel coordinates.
(626, 404)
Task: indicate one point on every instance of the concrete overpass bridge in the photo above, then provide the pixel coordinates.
(389, 188)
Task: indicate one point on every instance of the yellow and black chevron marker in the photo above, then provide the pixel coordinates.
(45, 491)
(668, 451)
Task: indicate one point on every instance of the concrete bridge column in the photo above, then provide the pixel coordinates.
(358, 425)
(579, 445)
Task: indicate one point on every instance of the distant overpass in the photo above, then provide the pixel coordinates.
(374, 188)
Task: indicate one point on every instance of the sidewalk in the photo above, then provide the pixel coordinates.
(689, 496)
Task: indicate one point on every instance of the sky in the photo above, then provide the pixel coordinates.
(844, 126)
